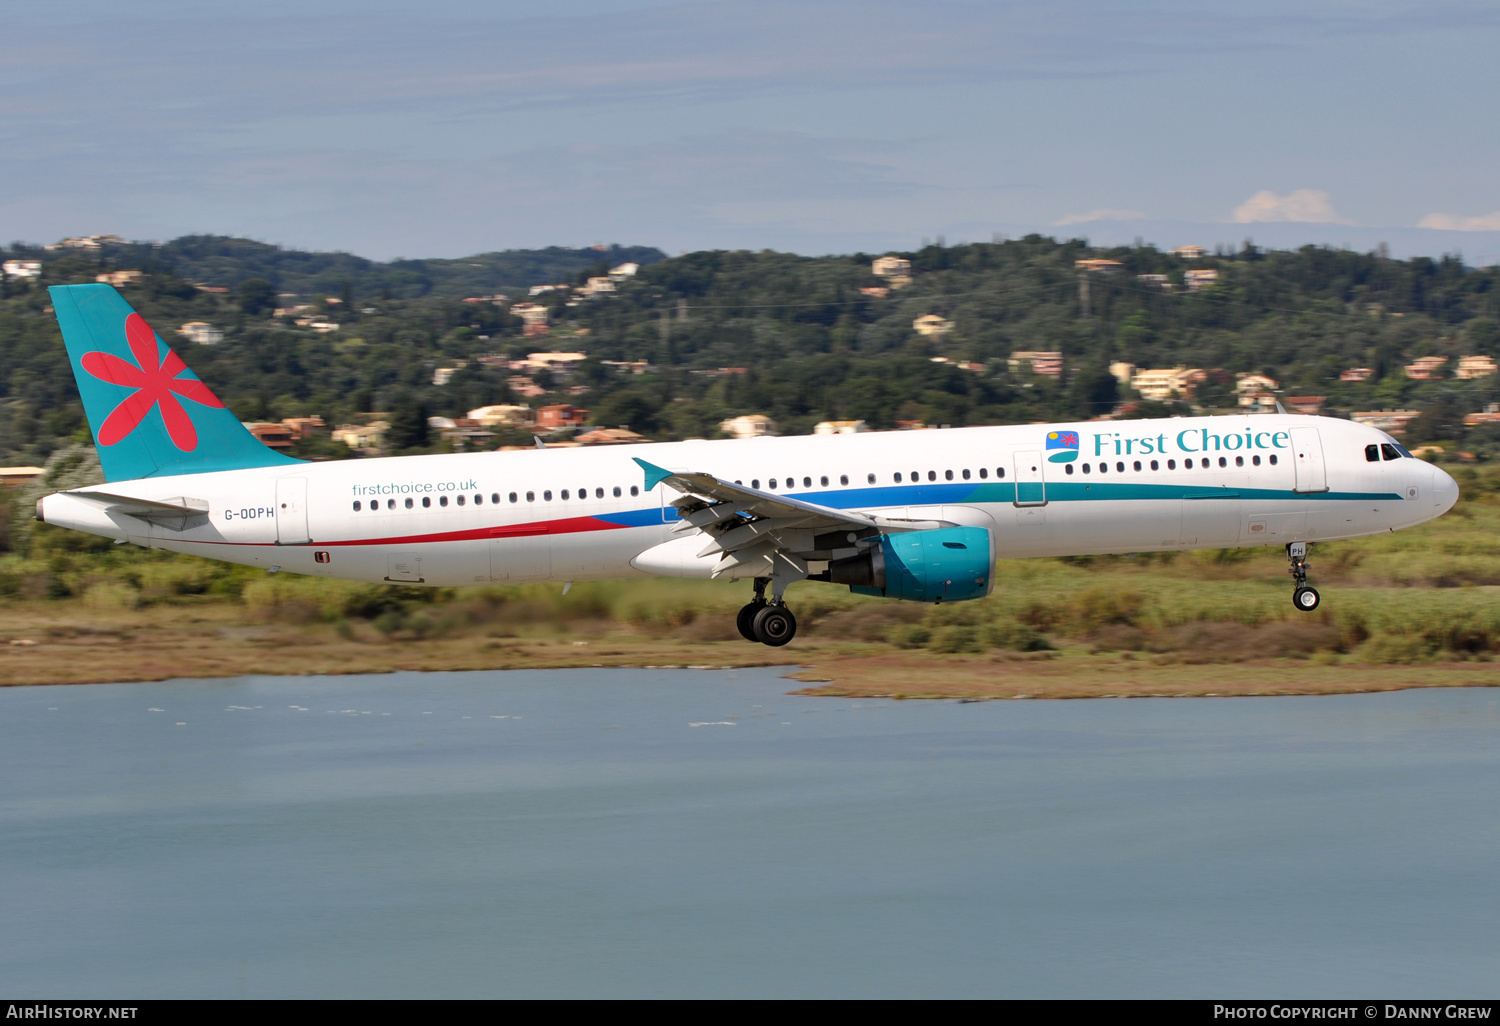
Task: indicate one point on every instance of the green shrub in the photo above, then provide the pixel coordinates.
(954, 639)
(1018, 637)
(111, 595)
(908, 635)
(1394, 648)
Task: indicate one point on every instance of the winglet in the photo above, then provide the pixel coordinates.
(654, 475)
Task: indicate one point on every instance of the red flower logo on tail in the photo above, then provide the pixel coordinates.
(155, 382)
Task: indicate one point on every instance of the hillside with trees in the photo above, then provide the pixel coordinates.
(801, 339)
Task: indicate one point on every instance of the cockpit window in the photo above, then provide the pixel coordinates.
(1389, 451)
(1372, 454)
(1402, 450)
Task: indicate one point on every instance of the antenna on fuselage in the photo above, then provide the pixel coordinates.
(1279, 409)
(542, 445)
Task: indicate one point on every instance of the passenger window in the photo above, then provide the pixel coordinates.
(563, 495)
(1104, 468)
(1239, 461)
(479, 500)
(1273, 459)
(442, 500)
(547, 495)
(390, 503)
(1223, 462)
(1372, 454)
(897, 477)
(598, 493)
(1155, 465)
(773, 484)
(1137, 465)
(512, 496)
(916, 475)
(459, 500)
(1389, 451)
(984, 473)
(807, 482)
(1069, 469)
(1172, 464)
(824, 480)
(999, 471)
(932, 475)
(408, 504)
(948, 475)
(617, 491)
(531, 496)
(1120, 467)
(356, 506)
(966, 474)
(1255, 461)
(426, 502)
(755, 483)
(635, 490)
(1186, 464)
(495, 499)
(1086, 469)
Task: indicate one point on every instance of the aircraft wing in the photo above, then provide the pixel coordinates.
(753, 530)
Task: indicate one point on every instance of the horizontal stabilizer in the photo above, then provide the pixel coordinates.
(174, 513)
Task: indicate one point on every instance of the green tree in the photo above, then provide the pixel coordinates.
(1481, 335)
(257, 296)
(409, 428)
(1440, 422)
(1094, 390)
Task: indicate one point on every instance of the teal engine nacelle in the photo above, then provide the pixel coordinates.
(948, 564)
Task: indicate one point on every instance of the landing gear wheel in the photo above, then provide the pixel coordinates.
(745, 620)
(1306, 599)
(775, 626)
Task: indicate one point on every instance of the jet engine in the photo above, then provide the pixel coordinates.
(948, 564)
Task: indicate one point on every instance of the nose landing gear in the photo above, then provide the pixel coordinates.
(1304, 597)
(770, 623)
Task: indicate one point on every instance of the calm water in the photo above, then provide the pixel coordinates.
(613, 832)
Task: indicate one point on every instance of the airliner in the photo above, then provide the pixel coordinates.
(915, 515)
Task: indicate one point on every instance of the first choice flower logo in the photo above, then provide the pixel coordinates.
(156, 383)
(1066, 442)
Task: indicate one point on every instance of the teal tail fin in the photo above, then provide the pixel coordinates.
(151, 416)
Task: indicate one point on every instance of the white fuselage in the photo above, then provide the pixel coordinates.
(582, 513)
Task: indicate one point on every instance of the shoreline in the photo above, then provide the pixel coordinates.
(140, 647)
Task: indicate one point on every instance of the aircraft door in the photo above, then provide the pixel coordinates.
(521, 558)
(1307, 456)
(291, 511)
(666, 496)
(1031, 485)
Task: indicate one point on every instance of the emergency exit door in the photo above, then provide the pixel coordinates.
(1031, 486)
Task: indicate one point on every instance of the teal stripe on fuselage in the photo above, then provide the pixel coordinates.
(934, 494)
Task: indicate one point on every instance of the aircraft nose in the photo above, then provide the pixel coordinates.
(1444, 490)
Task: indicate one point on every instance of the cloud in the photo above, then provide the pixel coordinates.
(1304, 206)
(1454, 223)
(1102, 214)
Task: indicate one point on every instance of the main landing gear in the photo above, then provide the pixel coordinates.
(770, 623)
(1303, 597)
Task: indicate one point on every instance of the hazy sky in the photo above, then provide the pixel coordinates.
(444, 127)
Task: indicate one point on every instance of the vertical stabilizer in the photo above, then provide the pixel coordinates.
(150, 415)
